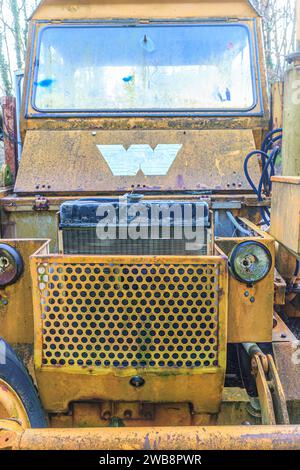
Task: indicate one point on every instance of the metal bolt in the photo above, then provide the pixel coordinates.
(137, 381)
(247, 294)
(127, 414)
(252, 300)
(106, 415)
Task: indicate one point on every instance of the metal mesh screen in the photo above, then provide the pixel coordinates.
(123, 315)
(85, 241)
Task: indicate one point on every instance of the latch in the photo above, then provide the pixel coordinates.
(41, 204)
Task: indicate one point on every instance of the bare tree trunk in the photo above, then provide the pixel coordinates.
(4, 70)
(16, 29)
(23, 8)
(279, 20)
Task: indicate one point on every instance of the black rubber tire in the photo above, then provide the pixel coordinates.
(13, 372)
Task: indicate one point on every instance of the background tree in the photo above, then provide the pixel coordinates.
(14, 16)
(279, 27)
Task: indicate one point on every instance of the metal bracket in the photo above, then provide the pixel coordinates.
(270, 390)
(41, 204)
(280, 289)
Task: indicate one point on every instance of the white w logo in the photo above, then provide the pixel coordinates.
(151, 162)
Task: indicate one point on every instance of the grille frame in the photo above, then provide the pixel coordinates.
(42, 257)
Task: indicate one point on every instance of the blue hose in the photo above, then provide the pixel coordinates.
(297, 268)
(268, 154)
(238, 226)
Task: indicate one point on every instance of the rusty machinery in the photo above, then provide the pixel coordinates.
(179, 348)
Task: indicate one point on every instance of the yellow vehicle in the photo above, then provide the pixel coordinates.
(176, 338)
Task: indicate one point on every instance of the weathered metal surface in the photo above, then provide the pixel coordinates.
(281, 333)
(264, 393)
(285, 217)
(234, 411)
(181, 438)
(270, 391)
(247, 202)
(10, 432)
(259, 124)
(29, 224)
(95, 374)
(8, 105)
(291, 135)
(298, 25)
(250, 308)
(16, 310)
(278, 395)
(11, 406)
(58, 387)
(208, 171)
(76, 157)
(287, 357)
(6, 179)
(54, 9)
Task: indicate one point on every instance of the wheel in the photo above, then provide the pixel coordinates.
(18, 397)
(11, 406)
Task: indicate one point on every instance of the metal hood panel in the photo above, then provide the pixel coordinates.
(121, 161)
(91, 9)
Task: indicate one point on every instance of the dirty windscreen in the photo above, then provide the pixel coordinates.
(144, 67)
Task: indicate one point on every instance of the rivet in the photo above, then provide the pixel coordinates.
(137, 381)
(252, 300)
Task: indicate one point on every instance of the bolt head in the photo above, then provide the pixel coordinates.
(137, 381)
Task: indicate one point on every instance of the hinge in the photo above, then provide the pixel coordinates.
(270, 391)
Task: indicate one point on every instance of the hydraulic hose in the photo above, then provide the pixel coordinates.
(268, 154)
(238, 226)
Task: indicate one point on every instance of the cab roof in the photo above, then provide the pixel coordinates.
(143, 9)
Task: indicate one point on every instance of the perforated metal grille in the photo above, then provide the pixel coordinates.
(120, 315)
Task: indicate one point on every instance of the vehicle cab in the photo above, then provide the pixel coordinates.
(137, 116)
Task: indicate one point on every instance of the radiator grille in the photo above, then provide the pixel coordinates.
(117, 315)
(84, 241)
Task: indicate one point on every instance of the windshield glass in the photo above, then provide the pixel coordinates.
(144, 67)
